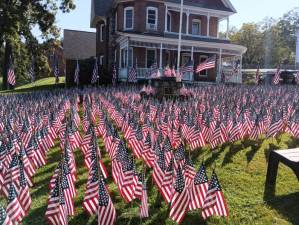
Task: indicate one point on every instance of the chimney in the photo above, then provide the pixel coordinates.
(297, 46)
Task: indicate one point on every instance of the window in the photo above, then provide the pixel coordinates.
(102, 30)
(196, 27)
(203, 58)
(150, 57)
(152, 18)
(129, 18)
(101, 60)
(169, 21)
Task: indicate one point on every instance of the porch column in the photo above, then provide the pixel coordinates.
(227, 28)
(166, 11)
(217, 27)
(187, 22)
(192, 51)
(161, 51)
(120, 53)
(218, 78)
(208, 25)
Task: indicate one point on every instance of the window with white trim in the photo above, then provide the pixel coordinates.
(152, 18)
(102, 30)
(129, 18)
(169, 21)
(126, 58)
(196, 27)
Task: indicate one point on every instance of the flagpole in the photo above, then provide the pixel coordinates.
(180, 35)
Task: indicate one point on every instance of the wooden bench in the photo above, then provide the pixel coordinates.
(289, 158)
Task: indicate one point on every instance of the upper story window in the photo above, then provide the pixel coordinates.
(102, 30)
(169, 22)
(196, 27)
(152, 18)
(129, 18)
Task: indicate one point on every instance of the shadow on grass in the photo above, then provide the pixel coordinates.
(287, 205)
(255, 146)
(233, 150)
(36, 88)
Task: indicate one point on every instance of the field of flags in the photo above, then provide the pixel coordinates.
(149, 144)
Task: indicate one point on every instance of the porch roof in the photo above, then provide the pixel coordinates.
(139, 40)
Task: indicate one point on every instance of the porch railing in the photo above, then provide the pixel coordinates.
(141, 74)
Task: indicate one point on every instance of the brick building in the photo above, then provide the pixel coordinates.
(141, 32)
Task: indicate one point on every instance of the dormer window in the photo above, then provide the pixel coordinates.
(152, 18)
(129, 18)
(196, 27)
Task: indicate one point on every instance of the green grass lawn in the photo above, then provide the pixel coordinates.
(240, 166)
(41, 84)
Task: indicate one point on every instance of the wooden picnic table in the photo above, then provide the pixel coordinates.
(289, 157)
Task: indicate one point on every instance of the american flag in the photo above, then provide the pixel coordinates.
(11, 78)
(114, 75)
(56, 68)
(198, 189)
(207, 64)
(56, 213)
(168, 72)
(144, 203)
(180, 199)
(257, 75)
(31, 72)
(106, 210)
(77, 71)
(276, 78)
(154, 70)
(95, 72)
(14, 209)
(188, 67)
(91, 198)
(214, 203)
(4, 218)
(24, 194)
(132, 78)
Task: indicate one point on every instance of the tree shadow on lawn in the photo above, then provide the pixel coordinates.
(234, 148)
(287, 205)
(51, 87)
(255, 146)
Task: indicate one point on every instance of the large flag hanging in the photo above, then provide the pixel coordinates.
(276, 79)
(77, 71)
(214, 203)
(11, 78)
(188, 67)
(95, 72)
(207, 64)
(257, 75)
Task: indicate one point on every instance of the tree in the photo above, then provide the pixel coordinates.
(18, 17)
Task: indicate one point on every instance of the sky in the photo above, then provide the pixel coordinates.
(248, 11)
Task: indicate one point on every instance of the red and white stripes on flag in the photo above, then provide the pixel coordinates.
(276, 79)
(207, 64)
(106, 210)
(11, 78)
(180, 199)
(214, 203)
(132, 76)
(144, 204)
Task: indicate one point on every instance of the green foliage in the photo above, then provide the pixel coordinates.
(269, 42)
